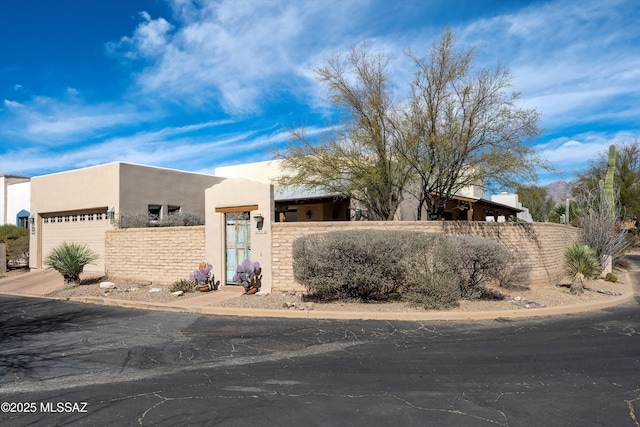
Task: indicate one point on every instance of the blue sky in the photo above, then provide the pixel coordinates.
(194, 85)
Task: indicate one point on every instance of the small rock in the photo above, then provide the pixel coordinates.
(107, 285)
(311, 305)
(178, 293)
(153, 290)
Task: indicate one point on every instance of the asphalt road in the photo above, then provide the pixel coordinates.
(67, 363)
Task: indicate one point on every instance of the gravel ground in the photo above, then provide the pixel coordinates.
(538, 296)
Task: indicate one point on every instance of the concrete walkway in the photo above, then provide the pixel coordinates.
(39, 283)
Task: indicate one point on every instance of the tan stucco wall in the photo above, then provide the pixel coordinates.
(77, 189)
(128, 188)
(542, 243)
(266, 171)
(93, 188)
(157, 255)
(141, 186)
(239, 192)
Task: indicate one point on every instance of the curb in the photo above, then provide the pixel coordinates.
(360, 315)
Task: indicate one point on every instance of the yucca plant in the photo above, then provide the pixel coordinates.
(580, 261)
(69, 259)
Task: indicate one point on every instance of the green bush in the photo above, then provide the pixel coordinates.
(16, 240)
(11, 232)
(69, 259)
(611, 277)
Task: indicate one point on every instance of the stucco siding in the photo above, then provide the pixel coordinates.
(140, 186)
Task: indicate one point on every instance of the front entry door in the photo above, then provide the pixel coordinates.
(238, 242)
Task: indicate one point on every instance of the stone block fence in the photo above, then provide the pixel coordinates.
(159, 255)
(164, 255)
(543, 244)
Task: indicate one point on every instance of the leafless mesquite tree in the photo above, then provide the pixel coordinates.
(600, 229)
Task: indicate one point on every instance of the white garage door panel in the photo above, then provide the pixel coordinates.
(63, 228)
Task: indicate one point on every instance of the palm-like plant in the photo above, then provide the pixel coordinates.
(580, 261)
(69, 259)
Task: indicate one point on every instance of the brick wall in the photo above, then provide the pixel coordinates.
(164, 255)
(158, 255)
(542, 244)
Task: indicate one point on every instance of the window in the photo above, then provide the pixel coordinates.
(173, 210)
(154, 212)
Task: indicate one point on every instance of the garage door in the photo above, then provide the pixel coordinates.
(86, 227)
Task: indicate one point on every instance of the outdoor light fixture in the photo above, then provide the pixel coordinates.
(32, 220)
(308, 215)
(259, 220)
(358, 214)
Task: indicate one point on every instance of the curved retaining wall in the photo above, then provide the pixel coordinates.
(543, 244)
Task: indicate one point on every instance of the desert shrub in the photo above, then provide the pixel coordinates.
(611, 277)
(18, 251)
(600, 227)
(183, 285)
(69, 259)
(11, 232)
(480, 262)
(433, 282)
(429, 270)
(16, 240)
(142, 220)
(180, 219)
(352, 264)
(129, 220)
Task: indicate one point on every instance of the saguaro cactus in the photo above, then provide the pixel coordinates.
(608, 181)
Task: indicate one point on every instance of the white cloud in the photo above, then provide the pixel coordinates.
(572, 60)
(237, 55)
(571, 154)
(49, 121)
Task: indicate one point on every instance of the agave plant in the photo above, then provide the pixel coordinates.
(69, 259)
(580, 261)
